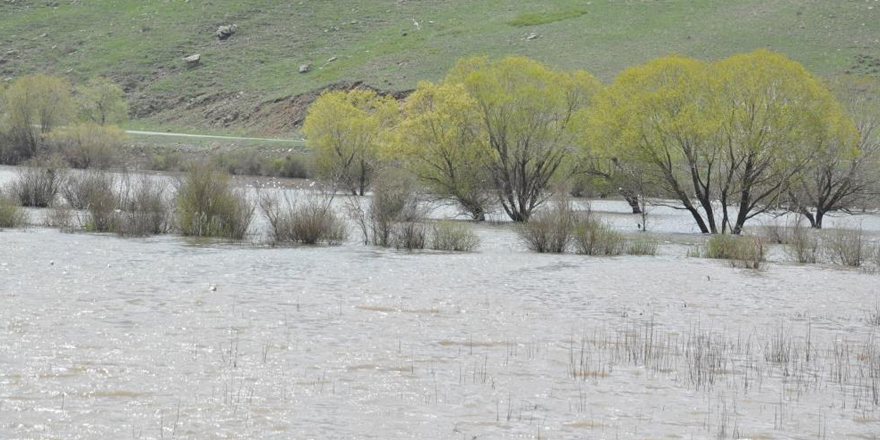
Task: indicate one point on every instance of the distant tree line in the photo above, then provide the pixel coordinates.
(727, 140)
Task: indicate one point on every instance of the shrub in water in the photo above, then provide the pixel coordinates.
(144, 208)
(745, 252)
(846, 247)
(594, 237)
(209, 206)
(393, 215)
(11, 214)
(453, 236)
(311, 221)
(39, 183)
(81, 188)
(549, 231)
(802, 245)
(642, 246)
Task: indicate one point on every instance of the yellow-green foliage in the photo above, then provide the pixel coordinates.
(738, 130)
(11, 214)
(34, 105)
(88, 145)
(101, 101)
(344, 131)
(440, 140)
(209, 206)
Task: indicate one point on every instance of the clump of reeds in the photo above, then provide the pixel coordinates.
(209, 205)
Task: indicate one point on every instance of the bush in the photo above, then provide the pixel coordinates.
(166, 160)
(740, 251)
(642, 246)
(82, 188)
(100, 211)
(846, 247)
(802, 245)
(394, 204)
(256, 163)
(144, 208)
(452, 236)
(11, 214)
(549, 231)
(310, 222)
(594, 237)
(39, 183)
(88, 145)
(60, 216)
(209, 206)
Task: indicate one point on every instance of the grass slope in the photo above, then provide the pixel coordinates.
(140, 44)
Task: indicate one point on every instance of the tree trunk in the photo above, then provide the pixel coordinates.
(632, 199)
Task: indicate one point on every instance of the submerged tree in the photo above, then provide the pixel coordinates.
(344, 131)
(441, 141)
(525, 111)
(736, 133)
(845, 173)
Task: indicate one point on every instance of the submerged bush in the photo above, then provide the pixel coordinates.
(144, 208)
(81, 189)
(802, 245)
(393, 215)
(595, 237)
(256, 163)
(38, 184)
(209, 206)
(310, 221)
(846, 247)
(61, 216)
(11, 214)
(741, 251)
(642, 246)
(453, 236)
(551, 230)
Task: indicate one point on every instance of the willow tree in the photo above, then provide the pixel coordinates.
(731, 135)
(344, 130)
(441, 141)
(101, 101)
(525, 112)
(35, 104)
(777, 119)
(845, 173)
(663, 116)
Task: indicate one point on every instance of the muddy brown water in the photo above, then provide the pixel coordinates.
(164, 337)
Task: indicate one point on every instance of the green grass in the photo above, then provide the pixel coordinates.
(539, 18)
(141, 44)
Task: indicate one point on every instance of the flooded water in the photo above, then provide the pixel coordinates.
(161, 338)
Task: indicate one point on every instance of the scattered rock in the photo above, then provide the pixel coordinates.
(193, 60)
(305, 68)
(532, 36)
(332, 59)
(226, 31)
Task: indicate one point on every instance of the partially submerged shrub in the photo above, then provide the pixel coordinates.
(551, 230)
(394, 204)
(61, 216)
(453, 236)
(11, 214)
(38, 184)
(256, 163)
(208, 205)
(410, 235)
(100, 211)
(642, 246)
(846, 247)
(144, 208)
(310, 221)
(81, 188)
(741, 251)
(802, 245)
(594, 237)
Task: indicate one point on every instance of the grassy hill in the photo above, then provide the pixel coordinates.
(391, 44)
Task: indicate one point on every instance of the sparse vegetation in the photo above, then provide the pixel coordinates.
(539, 18)
(144, 207)
(550, 230)
(38, 184)
(846, 247)
(592, 236)
(642, 246)
(394, 204)
(741, 251)
(309, 221)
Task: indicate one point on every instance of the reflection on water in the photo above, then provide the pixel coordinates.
(102, 337)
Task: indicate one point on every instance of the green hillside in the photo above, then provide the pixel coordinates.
(391, 44)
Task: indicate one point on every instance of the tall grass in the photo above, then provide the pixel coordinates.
(208, 205)
(310, 221)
